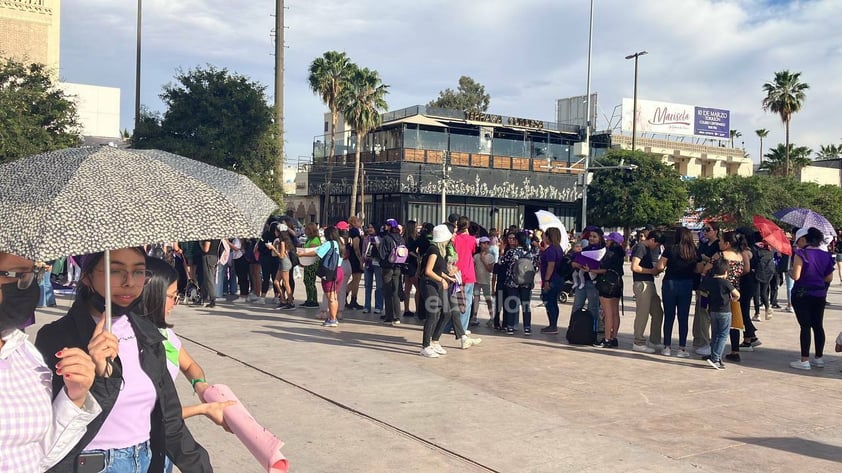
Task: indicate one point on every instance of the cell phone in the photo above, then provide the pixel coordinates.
(90, 463)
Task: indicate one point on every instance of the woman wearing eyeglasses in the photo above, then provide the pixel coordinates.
(141, 418)
(160, 296)
(36, 431)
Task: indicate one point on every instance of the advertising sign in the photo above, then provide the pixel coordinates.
(667, 118)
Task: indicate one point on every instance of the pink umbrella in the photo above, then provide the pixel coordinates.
(262, 444)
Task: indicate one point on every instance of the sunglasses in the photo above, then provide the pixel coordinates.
(708, 229)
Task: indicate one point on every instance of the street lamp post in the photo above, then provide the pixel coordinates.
(634, 100)
(587, 144)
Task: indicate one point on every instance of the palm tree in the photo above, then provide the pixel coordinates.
(761, 133)
(829, 152)
(734, 134)
(776, 159)
(328, 78)
(784, 96)
(362, 103)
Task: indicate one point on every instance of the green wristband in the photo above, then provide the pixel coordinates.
(193, 382)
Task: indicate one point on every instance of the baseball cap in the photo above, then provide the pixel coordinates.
(392, 223)
(342, 225)
(615, 237)
(801, 232)
(484, 240)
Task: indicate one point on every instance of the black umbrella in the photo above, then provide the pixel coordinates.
(85, 200)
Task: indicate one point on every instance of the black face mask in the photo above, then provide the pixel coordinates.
(18, 305)
(98, 303)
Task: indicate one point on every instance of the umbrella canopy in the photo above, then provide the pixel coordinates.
(806, 218)
(773, 235)
(550, 220)
(85, 200)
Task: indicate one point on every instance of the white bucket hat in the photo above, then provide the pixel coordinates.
(441, 234)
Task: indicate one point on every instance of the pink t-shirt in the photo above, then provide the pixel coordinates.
(129, 422)
(465, 245)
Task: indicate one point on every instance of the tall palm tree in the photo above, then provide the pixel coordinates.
(776, 159)
(734, 134)
(362, 103)
(761, 133)
(829, 152)
(784, 96)
(328, 78)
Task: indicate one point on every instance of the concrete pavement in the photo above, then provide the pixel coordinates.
(360, 399)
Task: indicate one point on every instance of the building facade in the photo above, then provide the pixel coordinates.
(30, 31)
(495, 169)
(690, 159)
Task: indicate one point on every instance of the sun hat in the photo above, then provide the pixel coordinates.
(342, 225)
(616, 237)
(801, 232)
(441, 234)
(392, 223)
(484, 240)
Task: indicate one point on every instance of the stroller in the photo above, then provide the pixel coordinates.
(567, 291)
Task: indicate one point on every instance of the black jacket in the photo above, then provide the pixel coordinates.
(169, 434)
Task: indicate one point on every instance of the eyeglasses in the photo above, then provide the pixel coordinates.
(121, 276)
(24, 278)
(708, 229)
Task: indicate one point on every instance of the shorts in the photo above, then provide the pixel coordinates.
(356, 267)
(839, 257)
(285, 264)
(333, 286)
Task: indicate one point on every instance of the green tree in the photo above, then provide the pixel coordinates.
(362, 103)
(35, 116)
(829, 152)
(328, 77)
(784, 96)
(761, 133)
(651, 193)
(798, 158)
(734, 200)
(217, 117)
(469, 96)
(734, 134)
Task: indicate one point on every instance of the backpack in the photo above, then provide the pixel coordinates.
(609, 284)
(328, 264)
(580, 330)
(765, 266)
(397, 252)
(524, 274)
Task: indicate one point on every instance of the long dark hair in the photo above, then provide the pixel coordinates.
(155, 293)
(736, 240)
(88, 263)
(331, 234)
(685, 243)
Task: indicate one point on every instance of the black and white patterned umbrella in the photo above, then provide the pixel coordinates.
(84, 200)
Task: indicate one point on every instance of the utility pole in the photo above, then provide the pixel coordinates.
(587, 144)
(279, 90)
(137, 70)
(636, 56)
(444, 165)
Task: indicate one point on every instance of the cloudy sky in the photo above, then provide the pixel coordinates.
(527, 53)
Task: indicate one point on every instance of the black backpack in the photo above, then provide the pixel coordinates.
(765, 270)
(580, 331)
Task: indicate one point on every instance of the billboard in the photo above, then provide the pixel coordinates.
(666, 118)
(572, 111)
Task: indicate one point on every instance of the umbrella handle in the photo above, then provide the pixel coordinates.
(107, 314)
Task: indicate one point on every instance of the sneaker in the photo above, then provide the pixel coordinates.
(510, 331)
(252, 298)
(469, 342)
(438, 348)
(527, 331)
(310, 304)
(800, 365)
(788, 309)
(614, 343)
(735, 357)
(756, 342)
(682, 353)
(210, 305)
(756, 318)
(776, 306)
(396, 322)
(817, 362)
(549, 330)
(713, 364)
(489, 323)
(473, 323)
(721, 365)
(746, 346)
(704, 351)
(429, 352)
(603, 344)
(366, 311)
(378, 311)
(666, 351)
(407, 313)
(642, 348)
(331, 323)
(276, 300)
(768, 314)
(289, 306)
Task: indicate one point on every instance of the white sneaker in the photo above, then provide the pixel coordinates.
(642, 348)
(769, 313)
(682, 353)
(704, 351)
(438, 348)
(467, 332)
(817, 362)
(800, 365)
(252, 297)
(429, 352)
(469, 342)
(666, 351)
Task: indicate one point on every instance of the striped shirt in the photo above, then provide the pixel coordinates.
(36, 431)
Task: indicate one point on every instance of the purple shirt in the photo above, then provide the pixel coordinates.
(816, 265)
(551, 253)
(130, 421)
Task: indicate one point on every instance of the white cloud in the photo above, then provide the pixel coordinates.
(527, 53)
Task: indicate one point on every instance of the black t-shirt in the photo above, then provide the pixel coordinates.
(719, 294)
(439, 267)
(214, 247)
(643, 252)
(613, 259)
(389, 241)
(412, 262)
(678, 267)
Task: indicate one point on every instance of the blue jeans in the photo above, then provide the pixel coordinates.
(720, 325)
(550, 299)
(468, 289)
(134, 459)
(677, 294)
(373, 276)
(47, 297)
(592, 295)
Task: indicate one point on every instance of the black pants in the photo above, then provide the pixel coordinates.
(809, 310)
(517, 300)
(391, 298)
(241, 267)
(268, 269)
(761, 296)
(773, 288)
(209, 281)
(499, 297)
(437, 306)
(747, 287)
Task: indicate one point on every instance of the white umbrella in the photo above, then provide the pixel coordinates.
(550, 220)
